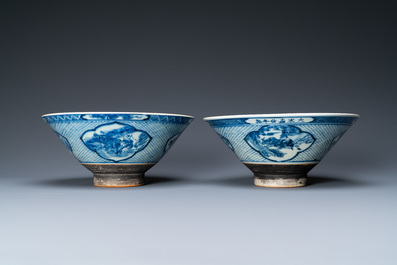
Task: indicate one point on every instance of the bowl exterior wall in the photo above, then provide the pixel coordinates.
(118, 138)
(282, 140)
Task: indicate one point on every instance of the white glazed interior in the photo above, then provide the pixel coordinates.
(105, 112)
(280, 115)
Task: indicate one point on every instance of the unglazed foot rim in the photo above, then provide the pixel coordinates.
(280, 182)
(118, 180)
(280, 175)
(120, 186)
(118, 175)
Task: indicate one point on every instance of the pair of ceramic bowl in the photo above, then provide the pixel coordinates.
(119, 147)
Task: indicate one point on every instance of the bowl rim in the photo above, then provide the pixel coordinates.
(116, 112)
(280, 115)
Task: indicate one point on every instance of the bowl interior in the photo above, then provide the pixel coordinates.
(115, 113)
(318, 114)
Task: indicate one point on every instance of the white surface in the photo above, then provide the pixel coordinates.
(214, 217)
(277, 115)
(134, 113)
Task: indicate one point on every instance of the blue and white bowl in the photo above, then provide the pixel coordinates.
(281, 148)
(118, 147)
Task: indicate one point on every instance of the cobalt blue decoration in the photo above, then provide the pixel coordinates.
(281, 148)
(171, 142)
(279, 142)
(118, 147)
(115, 141)
(65, 142)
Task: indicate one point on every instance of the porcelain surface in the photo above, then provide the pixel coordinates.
(281, 138)
(122, 138)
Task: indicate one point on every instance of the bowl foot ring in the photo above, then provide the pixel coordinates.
(280, 175)
(118, 175)
(280, 181)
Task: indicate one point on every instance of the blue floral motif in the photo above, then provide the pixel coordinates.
(65, 141)
(335, 140)
(279, 142)
(116, 141)
(171, 142)
(227, 142)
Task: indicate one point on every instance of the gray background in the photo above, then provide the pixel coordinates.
(201, 58)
